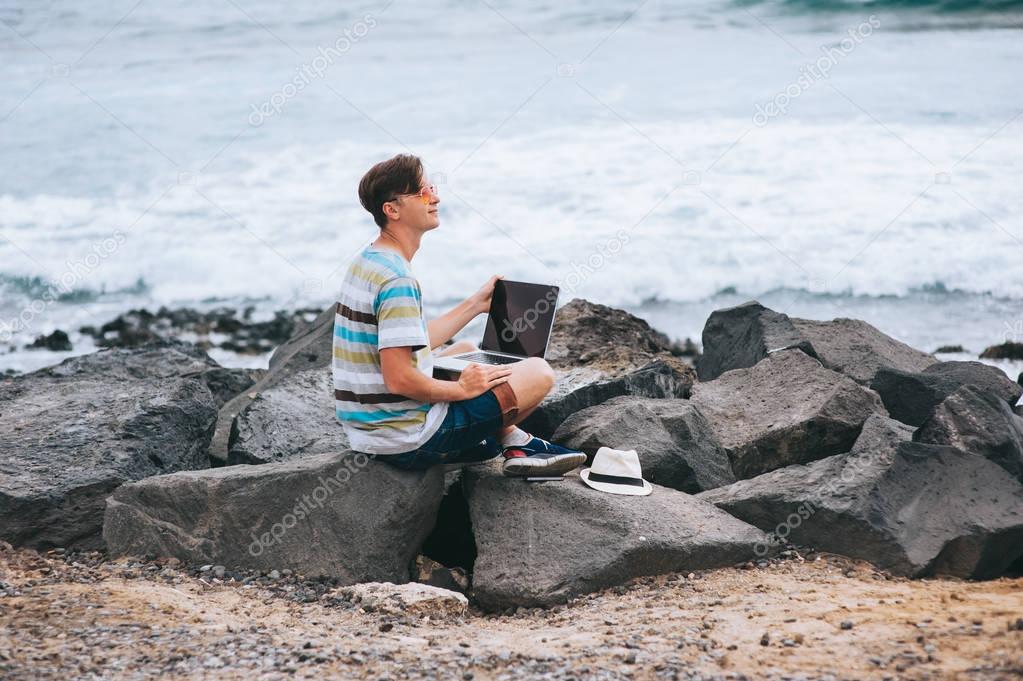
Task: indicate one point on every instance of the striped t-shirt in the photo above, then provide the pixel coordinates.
(380, 306)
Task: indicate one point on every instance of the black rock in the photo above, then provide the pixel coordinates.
(676, 446)
(783, 410)
(980, 422)
(57, 341)
(741, 336)
(74, 432)
(912, 396)
(1006, 350)
(911, 508)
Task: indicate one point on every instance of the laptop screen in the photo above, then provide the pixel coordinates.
(521, 318)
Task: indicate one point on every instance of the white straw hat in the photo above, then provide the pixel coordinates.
(616, 471)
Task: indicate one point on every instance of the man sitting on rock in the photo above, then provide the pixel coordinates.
(385, 394)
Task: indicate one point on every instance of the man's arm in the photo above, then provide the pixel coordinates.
(402, 378)
(454, 320)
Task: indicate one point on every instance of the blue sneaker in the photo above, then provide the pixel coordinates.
(540, 457)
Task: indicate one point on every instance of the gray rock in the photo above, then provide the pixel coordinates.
(542, 543)
(582, 387)
(614, 341)
(675, 444)
(291, 418)
(287, 397)
(73, 432)
(910, 508)
(741, 336)
(980, 422)
(786, 409)
(339, 515)
(859, 350)
(912, 396)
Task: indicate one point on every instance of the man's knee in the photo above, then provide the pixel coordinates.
(542, 372)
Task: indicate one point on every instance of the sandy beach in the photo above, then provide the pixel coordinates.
(813, 616)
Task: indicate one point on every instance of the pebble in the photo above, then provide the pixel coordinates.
(846, 624)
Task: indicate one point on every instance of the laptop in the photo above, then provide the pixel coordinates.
(519, 325)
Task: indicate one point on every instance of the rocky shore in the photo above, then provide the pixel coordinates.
(787, 448)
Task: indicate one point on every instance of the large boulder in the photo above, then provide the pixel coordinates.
(786, 409)
(74, 432)
(596, 336)
(741, 336)
(542, 543)
(289, 411)
(912, 396)
(980, 422)
(910, 508)
(341, 515)
(675, 444)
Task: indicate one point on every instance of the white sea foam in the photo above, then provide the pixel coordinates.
(618, 159)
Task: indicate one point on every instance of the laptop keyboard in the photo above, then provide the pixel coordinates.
(485, 358)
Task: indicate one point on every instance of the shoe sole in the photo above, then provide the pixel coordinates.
(557, 465)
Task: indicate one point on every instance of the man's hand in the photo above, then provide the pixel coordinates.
(477, 379)
(481, 299)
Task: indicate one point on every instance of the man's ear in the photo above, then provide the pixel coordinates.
(390, 210)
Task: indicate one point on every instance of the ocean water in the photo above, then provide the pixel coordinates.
(860, 159)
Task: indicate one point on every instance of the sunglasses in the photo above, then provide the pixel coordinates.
(426, 194)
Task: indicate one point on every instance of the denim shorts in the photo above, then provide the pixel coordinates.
(468, 433)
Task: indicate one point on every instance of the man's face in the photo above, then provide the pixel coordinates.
(420, 211)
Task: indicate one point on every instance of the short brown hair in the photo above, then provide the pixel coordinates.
(384, 181)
